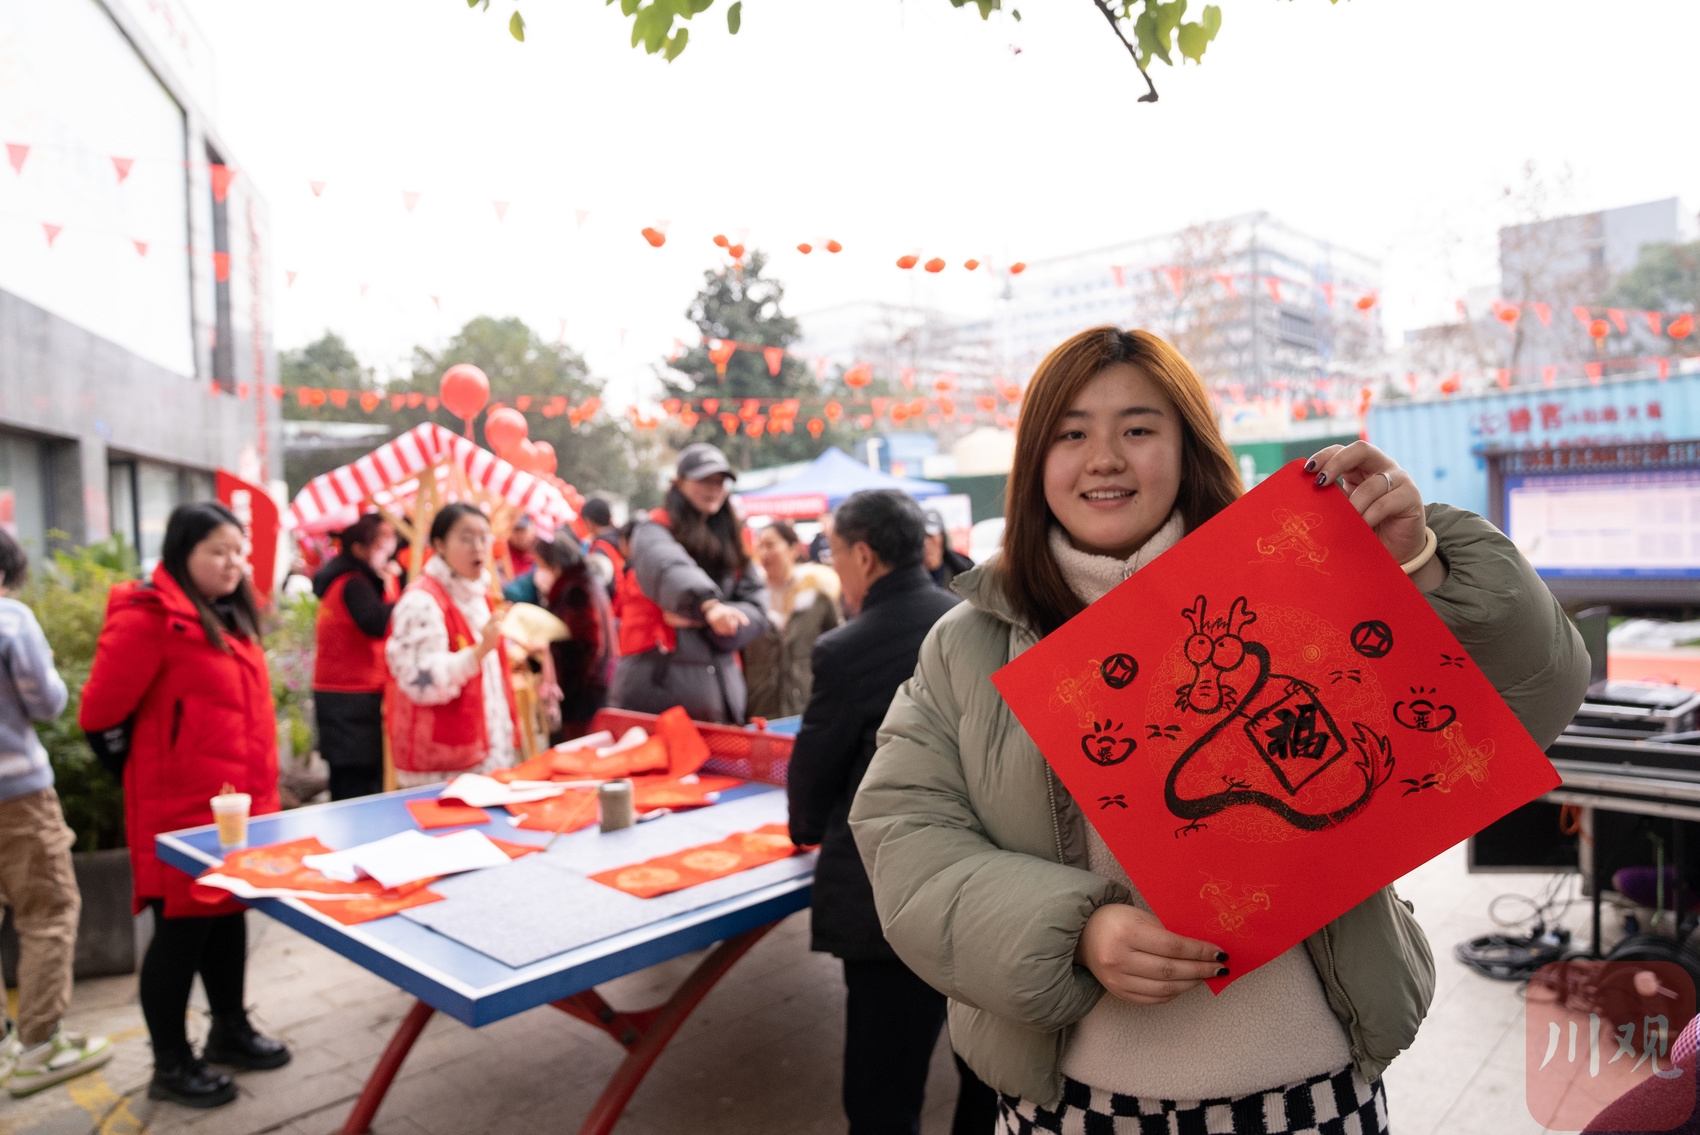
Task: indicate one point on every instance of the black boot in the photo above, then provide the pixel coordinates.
(232, 1041)
(185, 1080)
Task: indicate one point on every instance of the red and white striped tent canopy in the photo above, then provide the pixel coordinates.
(389, 475)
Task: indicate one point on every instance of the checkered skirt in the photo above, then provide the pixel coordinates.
(1340, 1104)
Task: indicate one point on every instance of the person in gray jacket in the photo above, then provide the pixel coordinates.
(1067, 994)
(36, 879)
(688, 600)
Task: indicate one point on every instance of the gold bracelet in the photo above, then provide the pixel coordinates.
(1416, 564)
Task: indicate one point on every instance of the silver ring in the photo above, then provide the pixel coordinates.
(1389, 477)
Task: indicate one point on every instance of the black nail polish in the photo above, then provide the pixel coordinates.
(1223, 972)
(1310, 466)
(1221, 956)
(1321, 479)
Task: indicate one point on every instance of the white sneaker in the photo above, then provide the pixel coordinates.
(10, 1047)
(57, 1059)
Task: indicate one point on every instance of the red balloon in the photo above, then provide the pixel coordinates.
(546, 462)
(464, 390)
(505, 429)
(524, 456)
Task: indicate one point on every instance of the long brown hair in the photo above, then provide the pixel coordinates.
(714, 542)
(1210, 480)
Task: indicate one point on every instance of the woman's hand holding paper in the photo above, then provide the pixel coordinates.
(1133, 957)
(1388, 500)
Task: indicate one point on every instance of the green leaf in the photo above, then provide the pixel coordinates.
(650, 27)
(677, 44)
(1194, 38)
(516, 27)
(1212, 19)
(735, 17)
(629, 8)
(1016, 12)
(1145, 34)
(472, 3)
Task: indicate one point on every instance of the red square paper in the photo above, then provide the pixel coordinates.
(430, 814)
(1269, 723)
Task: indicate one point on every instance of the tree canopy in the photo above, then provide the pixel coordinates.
(740, 304)
(1665, 278)
(600, 454)
(1148, 29)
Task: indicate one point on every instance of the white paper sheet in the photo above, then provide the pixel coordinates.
(488, 792)
(411, 855)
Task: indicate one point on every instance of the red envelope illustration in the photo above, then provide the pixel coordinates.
(1269, 723)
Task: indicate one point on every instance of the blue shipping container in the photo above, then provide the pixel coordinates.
(1443, 442)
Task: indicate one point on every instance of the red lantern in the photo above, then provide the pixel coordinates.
(907, 262)
(859, 376)
(917, 406)
(369, 401)
(971, 264)
(736, 251)
(655, 237)
(722, 241)
(464, 390)
(834, 246)
(755, 425)
(720, 353)
(879, 405)
(934, 265)
(1017, 268)
(815, 427)
(805, 248)
(986, 403)
(900, 413)
(1508, 314)
(729, 423)
(945, 384)
(1366, 301)
(1681, 327)
(671, 405)
(833, 412)
(504, 429)
(710, 405)
(1597, 331)
(947, 406)
(749, 409)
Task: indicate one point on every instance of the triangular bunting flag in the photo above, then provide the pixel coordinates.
(1274, 287)
(363, 288)
(52, 231)
(289, 278)
(221, 176)
(1543, 312)
(1328, 294)
(122, 165)
(1582, 315)
(437, 302)
(221, 267)
(318, 188)
(775, 357)
(141, 246)
(1116, 273)
(16, 152)
(501, 211)
(1618, 320)
(409, 199)
(1653, 321)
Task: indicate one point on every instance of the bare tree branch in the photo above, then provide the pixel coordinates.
(1151, 92)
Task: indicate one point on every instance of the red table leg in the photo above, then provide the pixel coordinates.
(645, 1033)
(378, 1083)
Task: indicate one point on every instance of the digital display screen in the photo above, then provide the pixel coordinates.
(1620, 525)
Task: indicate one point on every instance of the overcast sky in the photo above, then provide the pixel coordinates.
(901, 126)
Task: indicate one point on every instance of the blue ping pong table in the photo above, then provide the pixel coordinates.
(476, 989)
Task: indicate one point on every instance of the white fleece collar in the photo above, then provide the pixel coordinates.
(1091, 577)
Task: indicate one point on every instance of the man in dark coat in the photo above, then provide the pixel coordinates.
(893, 1017)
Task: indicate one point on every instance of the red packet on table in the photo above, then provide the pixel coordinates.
(651, 792)
(352, 912)
(667, 873)
(430, 814)
(1269, 723)
(571, 810)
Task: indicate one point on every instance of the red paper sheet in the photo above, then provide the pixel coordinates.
(1269, 723)
(571, 810)
(430, 814)
(352, 912)
(667, 873)
(686, 750)
(651, 792)
(537, 768)
(579, 764)
(279, 865)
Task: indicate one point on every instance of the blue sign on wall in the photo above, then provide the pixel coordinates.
(1442, 443)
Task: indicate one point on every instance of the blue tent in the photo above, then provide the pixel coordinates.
(833, 476)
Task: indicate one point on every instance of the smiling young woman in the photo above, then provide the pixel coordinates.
(1101, 447)
(1068, 995)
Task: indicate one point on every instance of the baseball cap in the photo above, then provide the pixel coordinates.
(935, 523)
(700, 460)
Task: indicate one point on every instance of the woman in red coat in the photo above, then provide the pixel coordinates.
(180, 665)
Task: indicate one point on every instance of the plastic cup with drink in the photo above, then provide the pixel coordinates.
(230, 809)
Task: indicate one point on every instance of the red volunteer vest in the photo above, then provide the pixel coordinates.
(641, 626)
(449, 737)
(346, 660)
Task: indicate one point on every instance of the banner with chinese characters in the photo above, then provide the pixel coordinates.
(1269, 723)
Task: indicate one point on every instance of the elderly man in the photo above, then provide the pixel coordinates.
(893, 1017)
